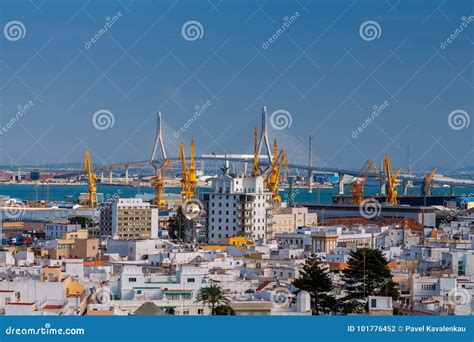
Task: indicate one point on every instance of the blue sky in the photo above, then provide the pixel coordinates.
(319, 71)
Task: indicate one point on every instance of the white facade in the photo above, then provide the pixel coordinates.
(25, 258)
(133, 249)
(423, 288)
(238, 206)
(56, 230)
(134, 284)
(379, 305)
(74, 268)
(6, 258)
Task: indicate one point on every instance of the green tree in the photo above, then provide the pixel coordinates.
(367, 275)
(315, 279)
(176, 227)
(224, 310)
(212, 296)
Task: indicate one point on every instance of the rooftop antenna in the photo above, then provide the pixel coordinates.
(264, 136)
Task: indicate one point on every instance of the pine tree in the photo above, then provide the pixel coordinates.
(315, 279)
(367, 275)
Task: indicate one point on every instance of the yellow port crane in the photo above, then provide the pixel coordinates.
(91, 196)
(391, 180)
(358, 185)
(273, 179)
(192, 173)
(158, 182)
(188, 180)
(269, 179)
(426, 186)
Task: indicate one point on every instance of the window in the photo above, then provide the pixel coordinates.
(190, 280)
(373, 303)
(132, 280)
(200, 311)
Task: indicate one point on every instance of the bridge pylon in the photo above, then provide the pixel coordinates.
(160, 167)
(158, 142)
(264, 137)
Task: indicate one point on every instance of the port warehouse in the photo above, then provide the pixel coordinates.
(324, 211)
(449, 201)
(422, 215)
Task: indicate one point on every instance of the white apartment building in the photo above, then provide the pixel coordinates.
(129, 218)
(133, 249)
(238, 206)
(424, 288)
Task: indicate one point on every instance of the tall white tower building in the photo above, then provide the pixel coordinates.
(238, 206)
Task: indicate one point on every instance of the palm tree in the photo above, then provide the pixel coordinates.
(212, 295)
